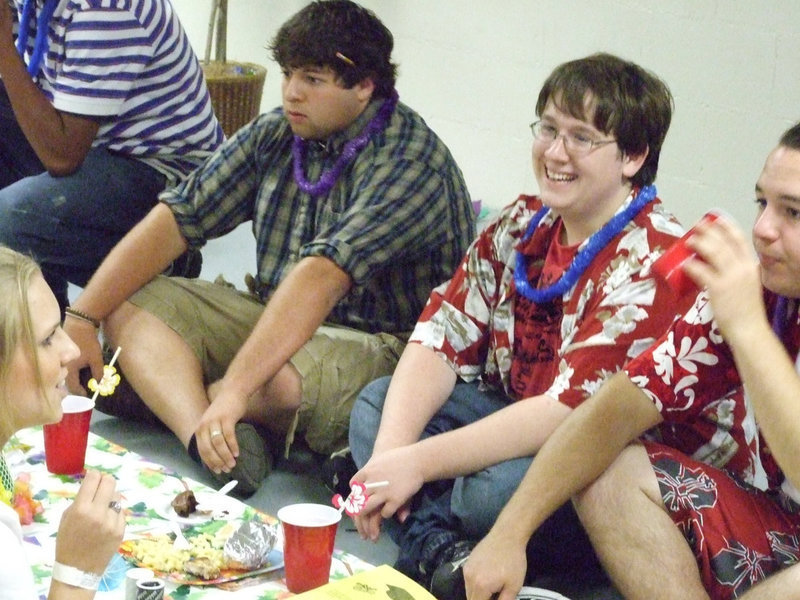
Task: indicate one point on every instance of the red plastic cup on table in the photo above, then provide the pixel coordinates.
(65, 441)
(669, 265)
(309, 532)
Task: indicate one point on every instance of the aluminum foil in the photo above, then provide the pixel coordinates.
(249, 546)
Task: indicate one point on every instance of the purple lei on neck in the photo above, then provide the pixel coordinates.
(349, 152)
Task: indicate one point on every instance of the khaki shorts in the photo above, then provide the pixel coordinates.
(334, 365)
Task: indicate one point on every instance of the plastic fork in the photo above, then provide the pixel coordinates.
(180, 543)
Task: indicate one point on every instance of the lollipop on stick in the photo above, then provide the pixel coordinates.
(109, 381)
(357, 498)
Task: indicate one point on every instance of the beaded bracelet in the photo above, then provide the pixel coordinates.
(78, 314)
(75, 577)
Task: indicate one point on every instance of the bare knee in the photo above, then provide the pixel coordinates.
(630, 476)
(276, 402)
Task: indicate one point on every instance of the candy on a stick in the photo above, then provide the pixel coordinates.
(357, 498)
(109, 381)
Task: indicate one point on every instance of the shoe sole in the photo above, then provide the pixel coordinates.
(253, 464)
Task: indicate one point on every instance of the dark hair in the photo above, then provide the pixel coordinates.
(791, 138)
(630, 104)
(326, 29)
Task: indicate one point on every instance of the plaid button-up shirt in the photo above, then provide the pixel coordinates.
(397, 220)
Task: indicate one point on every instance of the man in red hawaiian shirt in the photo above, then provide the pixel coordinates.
(710, 509)
(550, 300)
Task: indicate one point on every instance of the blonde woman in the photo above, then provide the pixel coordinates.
(34, 351)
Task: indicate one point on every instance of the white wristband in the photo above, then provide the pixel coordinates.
(76, 577)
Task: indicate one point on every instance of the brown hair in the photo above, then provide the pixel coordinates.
(341, 35)
(791, 137)
(630, 103)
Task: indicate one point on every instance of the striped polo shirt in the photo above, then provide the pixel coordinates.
(129, 63)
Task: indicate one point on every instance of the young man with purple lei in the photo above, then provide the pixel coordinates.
(102, 105)
(550, 301)
(712, 508)
(358, 210)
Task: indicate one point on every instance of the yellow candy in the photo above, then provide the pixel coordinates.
(107, 384)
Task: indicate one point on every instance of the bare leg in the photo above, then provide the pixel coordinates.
(642, 550)
(160, 367)
(275, 404)
(784, 585)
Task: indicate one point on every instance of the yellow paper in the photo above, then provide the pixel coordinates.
(379, 583)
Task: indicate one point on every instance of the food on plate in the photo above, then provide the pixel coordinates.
(249, 546)
(202, 566)
(217, 550)
(184, 503)
(159, 553)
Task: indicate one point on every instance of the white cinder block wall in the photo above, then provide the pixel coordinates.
(473, 69)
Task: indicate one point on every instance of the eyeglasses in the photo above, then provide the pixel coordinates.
(578, 144)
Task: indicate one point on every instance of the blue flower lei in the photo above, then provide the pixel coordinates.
(42, 27)
(349, 152)
(585, 256)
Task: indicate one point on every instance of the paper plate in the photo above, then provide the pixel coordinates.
(225, 509)
(274, 562)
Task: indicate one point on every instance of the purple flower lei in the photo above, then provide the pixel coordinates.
(349, 152)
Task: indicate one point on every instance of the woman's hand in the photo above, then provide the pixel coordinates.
(91, 529)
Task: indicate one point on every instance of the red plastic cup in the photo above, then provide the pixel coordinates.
(669, 265)
(309, 531)
(65, 441)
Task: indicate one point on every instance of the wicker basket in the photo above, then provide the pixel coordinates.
(235, 89)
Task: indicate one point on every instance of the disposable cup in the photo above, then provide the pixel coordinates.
(65, 441)
(309, 532)
(669, 265)
(132, 577)
(150, 589)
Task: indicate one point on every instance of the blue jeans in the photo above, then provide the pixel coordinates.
(444, 512)
(68, 224)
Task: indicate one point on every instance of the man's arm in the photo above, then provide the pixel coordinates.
(773, 387)
(575, 455)
(60, 140)
(141, 255)
(409, 463)
(300, 304)
(732, 276)
(409, 406)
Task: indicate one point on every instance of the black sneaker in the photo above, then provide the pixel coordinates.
(253, 464)
(186, 265)
(447, 582)
(338, 470)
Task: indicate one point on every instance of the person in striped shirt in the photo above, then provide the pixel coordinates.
(358, 210)
(102, 105)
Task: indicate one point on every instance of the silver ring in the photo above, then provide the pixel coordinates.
(115, 506)
(215, 433)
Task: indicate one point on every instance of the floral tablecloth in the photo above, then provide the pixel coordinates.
(147, 488)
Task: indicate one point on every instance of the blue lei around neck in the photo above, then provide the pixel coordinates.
(585, 256)
(42, 27)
